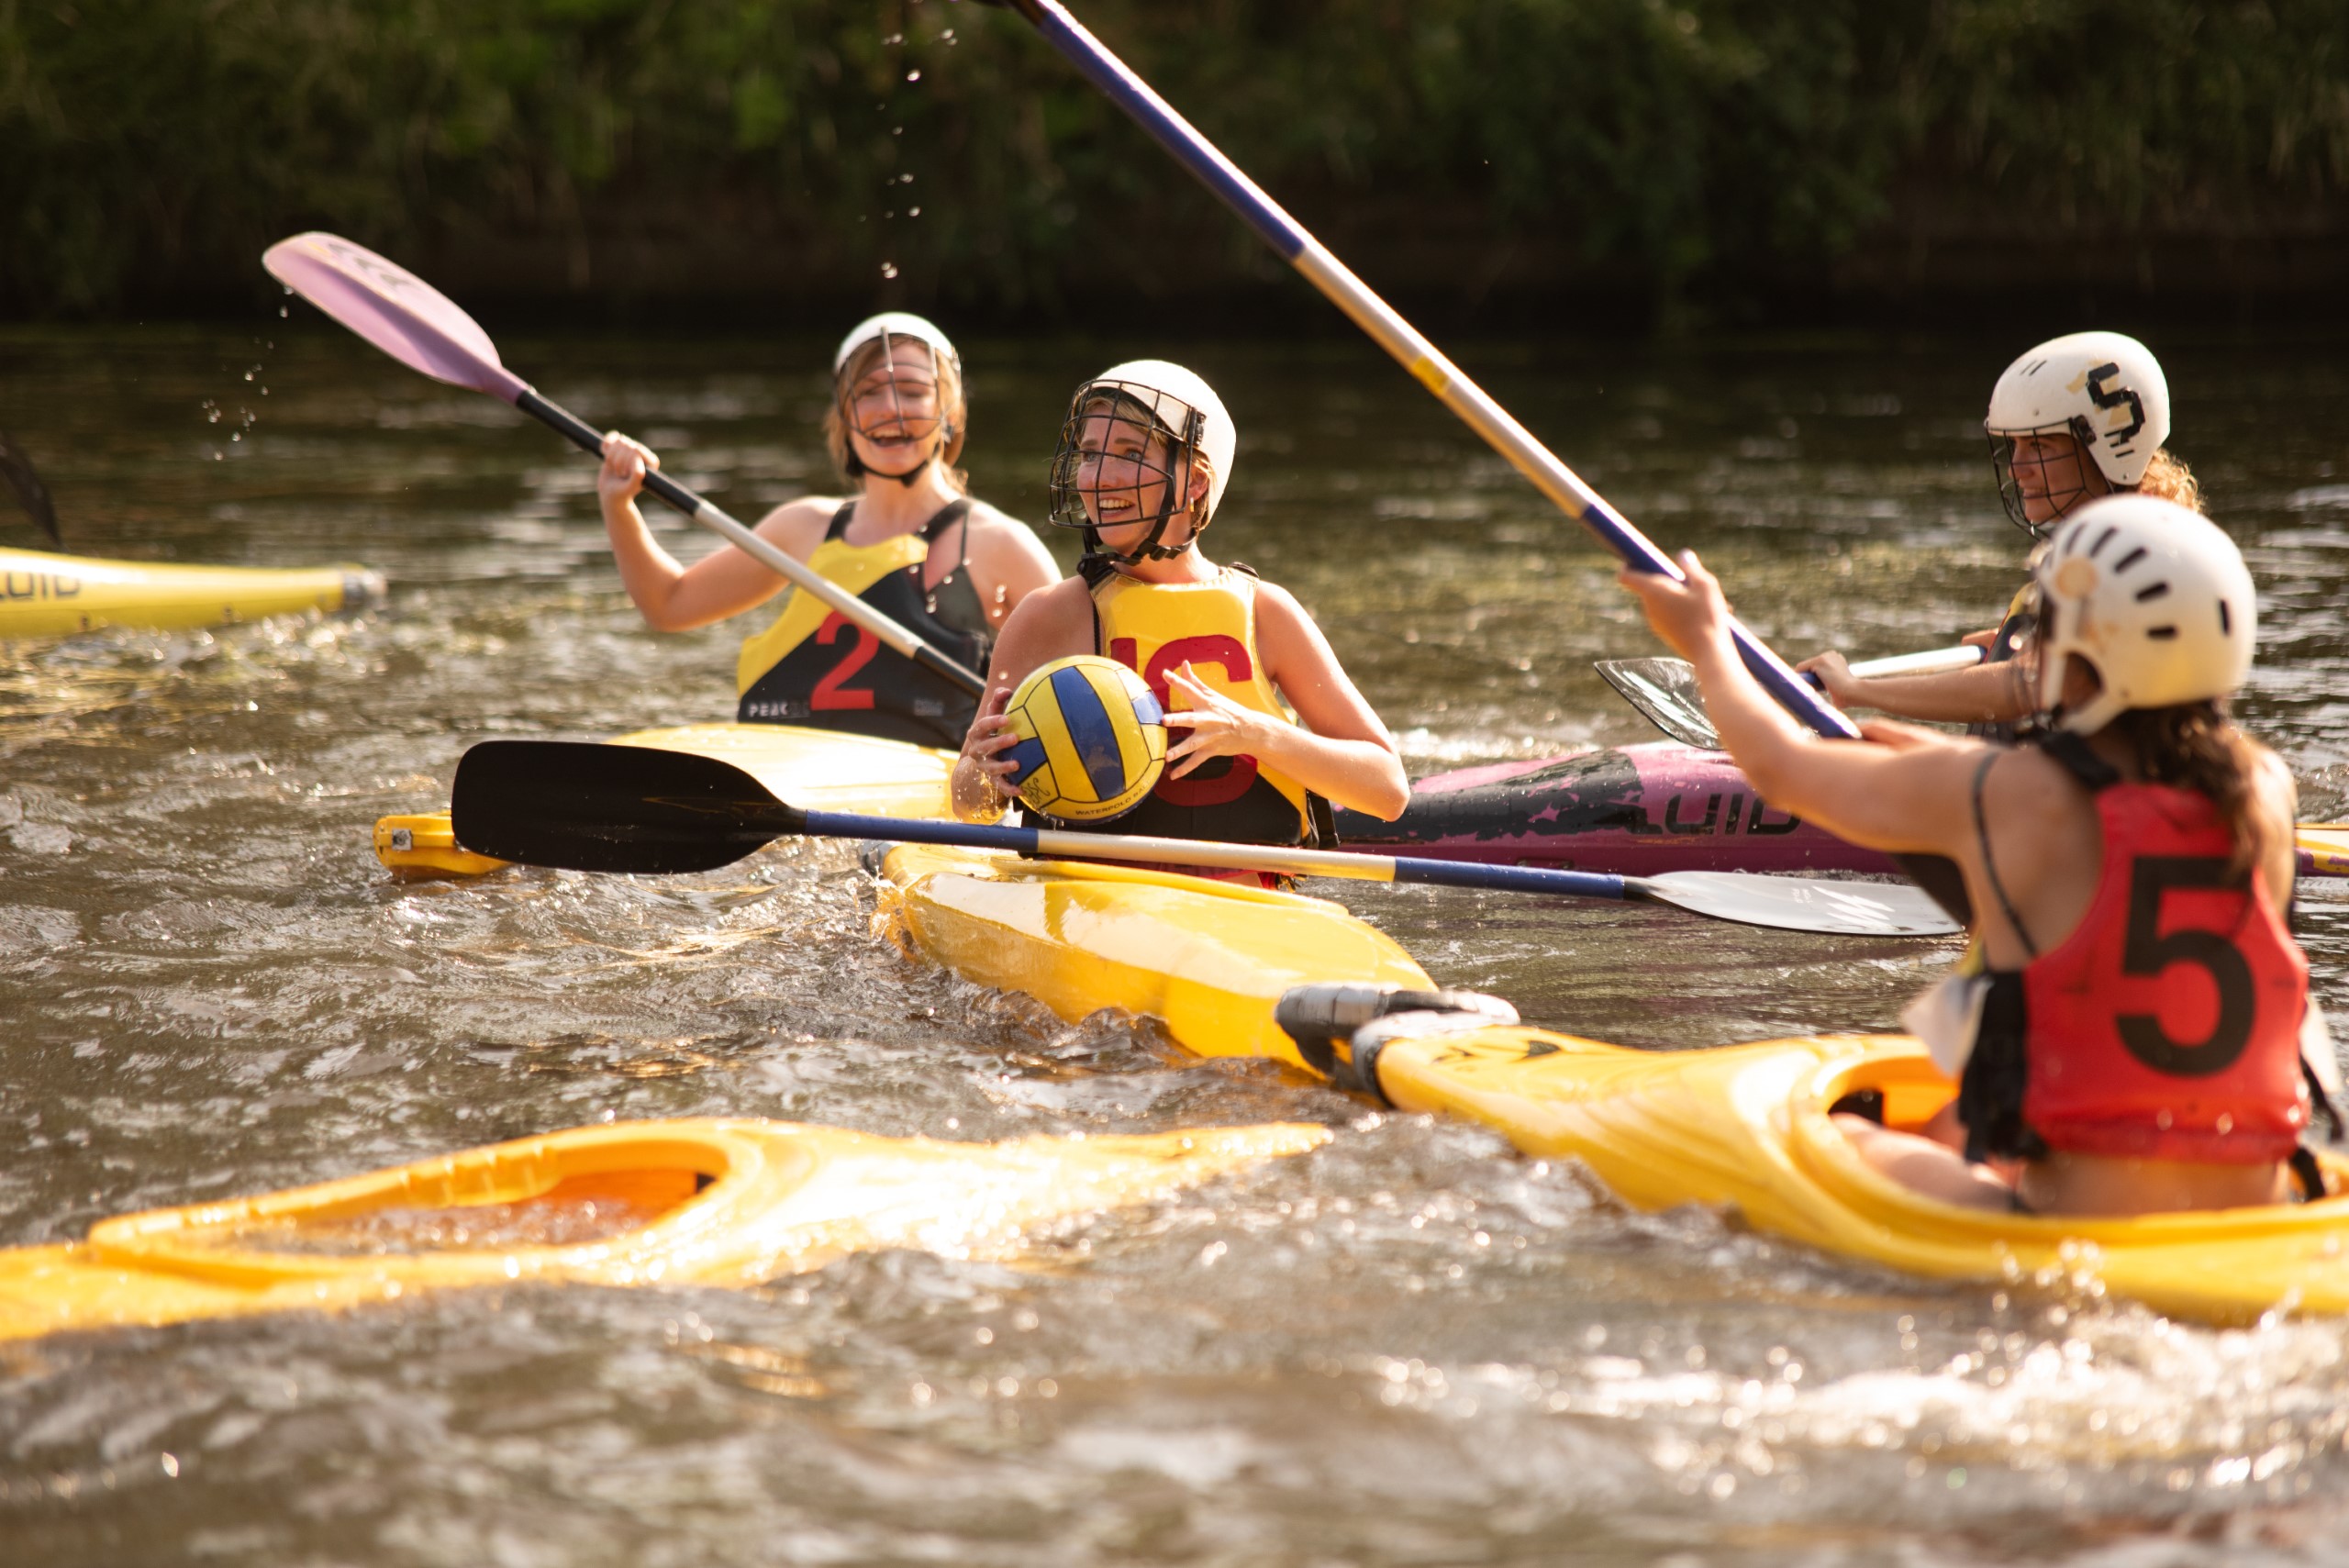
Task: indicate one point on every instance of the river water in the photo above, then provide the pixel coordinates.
(1411, 1347)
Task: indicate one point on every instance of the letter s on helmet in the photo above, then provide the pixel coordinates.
(2104, 389)
(2154, 598)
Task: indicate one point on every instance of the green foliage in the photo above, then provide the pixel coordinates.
(154, 146)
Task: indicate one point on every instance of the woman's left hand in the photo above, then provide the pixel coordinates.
(1219, 727)
(1692, 617)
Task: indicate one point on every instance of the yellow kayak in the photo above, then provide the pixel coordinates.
(1743, 1127)
(1208, 959)
(48, 595)
(2324, 848)
(1746, 1127)
(706, 1202)
(820, 768)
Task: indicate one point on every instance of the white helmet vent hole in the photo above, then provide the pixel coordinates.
(2126, 561)
(2226, 618)
(2101, 540)
(2162, 633)
(2146, 596)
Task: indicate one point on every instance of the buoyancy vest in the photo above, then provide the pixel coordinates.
(1151, 628)
(2167, 1026)
(813, 667)
(2020, 621)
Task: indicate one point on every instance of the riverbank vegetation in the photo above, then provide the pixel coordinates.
(1725, 152)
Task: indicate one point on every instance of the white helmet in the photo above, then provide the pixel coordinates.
(2104, 389)
(1174, 402)
(894, 324)
(2154, 598)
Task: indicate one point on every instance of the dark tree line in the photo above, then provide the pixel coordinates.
(1665, 150)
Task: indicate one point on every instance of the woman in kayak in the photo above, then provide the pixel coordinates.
(2134, 1040)
(1144, 457)
(910, 541)
(2076, 417)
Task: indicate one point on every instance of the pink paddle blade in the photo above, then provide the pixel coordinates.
(394, 309)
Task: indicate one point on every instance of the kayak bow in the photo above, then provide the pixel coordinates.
(730, 1203)
(43, 594)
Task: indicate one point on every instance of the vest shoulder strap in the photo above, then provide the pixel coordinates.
(947, 516)
(2078, 758)
(840, 520)
(1989, 864)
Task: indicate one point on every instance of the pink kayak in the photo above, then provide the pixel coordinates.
(1635, 811)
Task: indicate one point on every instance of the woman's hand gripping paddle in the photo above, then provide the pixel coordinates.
(421, 328)
(585, 806)
(1564, 488)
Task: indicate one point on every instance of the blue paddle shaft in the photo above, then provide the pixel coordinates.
(1276, 858)
(1299, 248)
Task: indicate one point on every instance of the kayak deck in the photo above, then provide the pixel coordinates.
(730, 1202)
(1747, 1128)
(819, 769)
(1208, 959)
(42, 595)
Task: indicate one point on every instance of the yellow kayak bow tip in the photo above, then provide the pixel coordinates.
(730, 1203)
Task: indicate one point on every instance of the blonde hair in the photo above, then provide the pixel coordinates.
(952, 407)
(2166, 478)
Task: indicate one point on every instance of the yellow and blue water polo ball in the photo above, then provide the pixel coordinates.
(1092, 740)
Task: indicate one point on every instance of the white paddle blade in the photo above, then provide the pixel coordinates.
(1804, 903)
(394, 309)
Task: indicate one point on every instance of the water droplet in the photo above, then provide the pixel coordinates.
(913, 212)
(888, 269)
(895, 37)
(913, 75)
(282, 311)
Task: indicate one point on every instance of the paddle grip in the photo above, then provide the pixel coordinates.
(589, 439)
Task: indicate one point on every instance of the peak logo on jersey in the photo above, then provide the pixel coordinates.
(1092, 740)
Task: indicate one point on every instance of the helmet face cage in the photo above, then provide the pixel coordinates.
(2059, 480)
(893, 403)
(1127, 454)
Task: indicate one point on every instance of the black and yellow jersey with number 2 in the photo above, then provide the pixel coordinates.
(1152, 627)
(813, 667)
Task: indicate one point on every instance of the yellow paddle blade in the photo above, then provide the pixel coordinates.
(702, 1202)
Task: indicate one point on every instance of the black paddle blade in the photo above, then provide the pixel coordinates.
(592, 807)
(31, 492)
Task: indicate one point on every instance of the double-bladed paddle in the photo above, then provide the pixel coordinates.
(422, 328)
(1427, 363)
(31, 494)
(585, 807)
(1666, 694)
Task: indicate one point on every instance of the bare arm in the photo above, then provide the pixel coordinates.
(722, 584)
(1897, 790)
(1987, 694)
(1049, 625)
(1007, 563)
(1342, 751)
